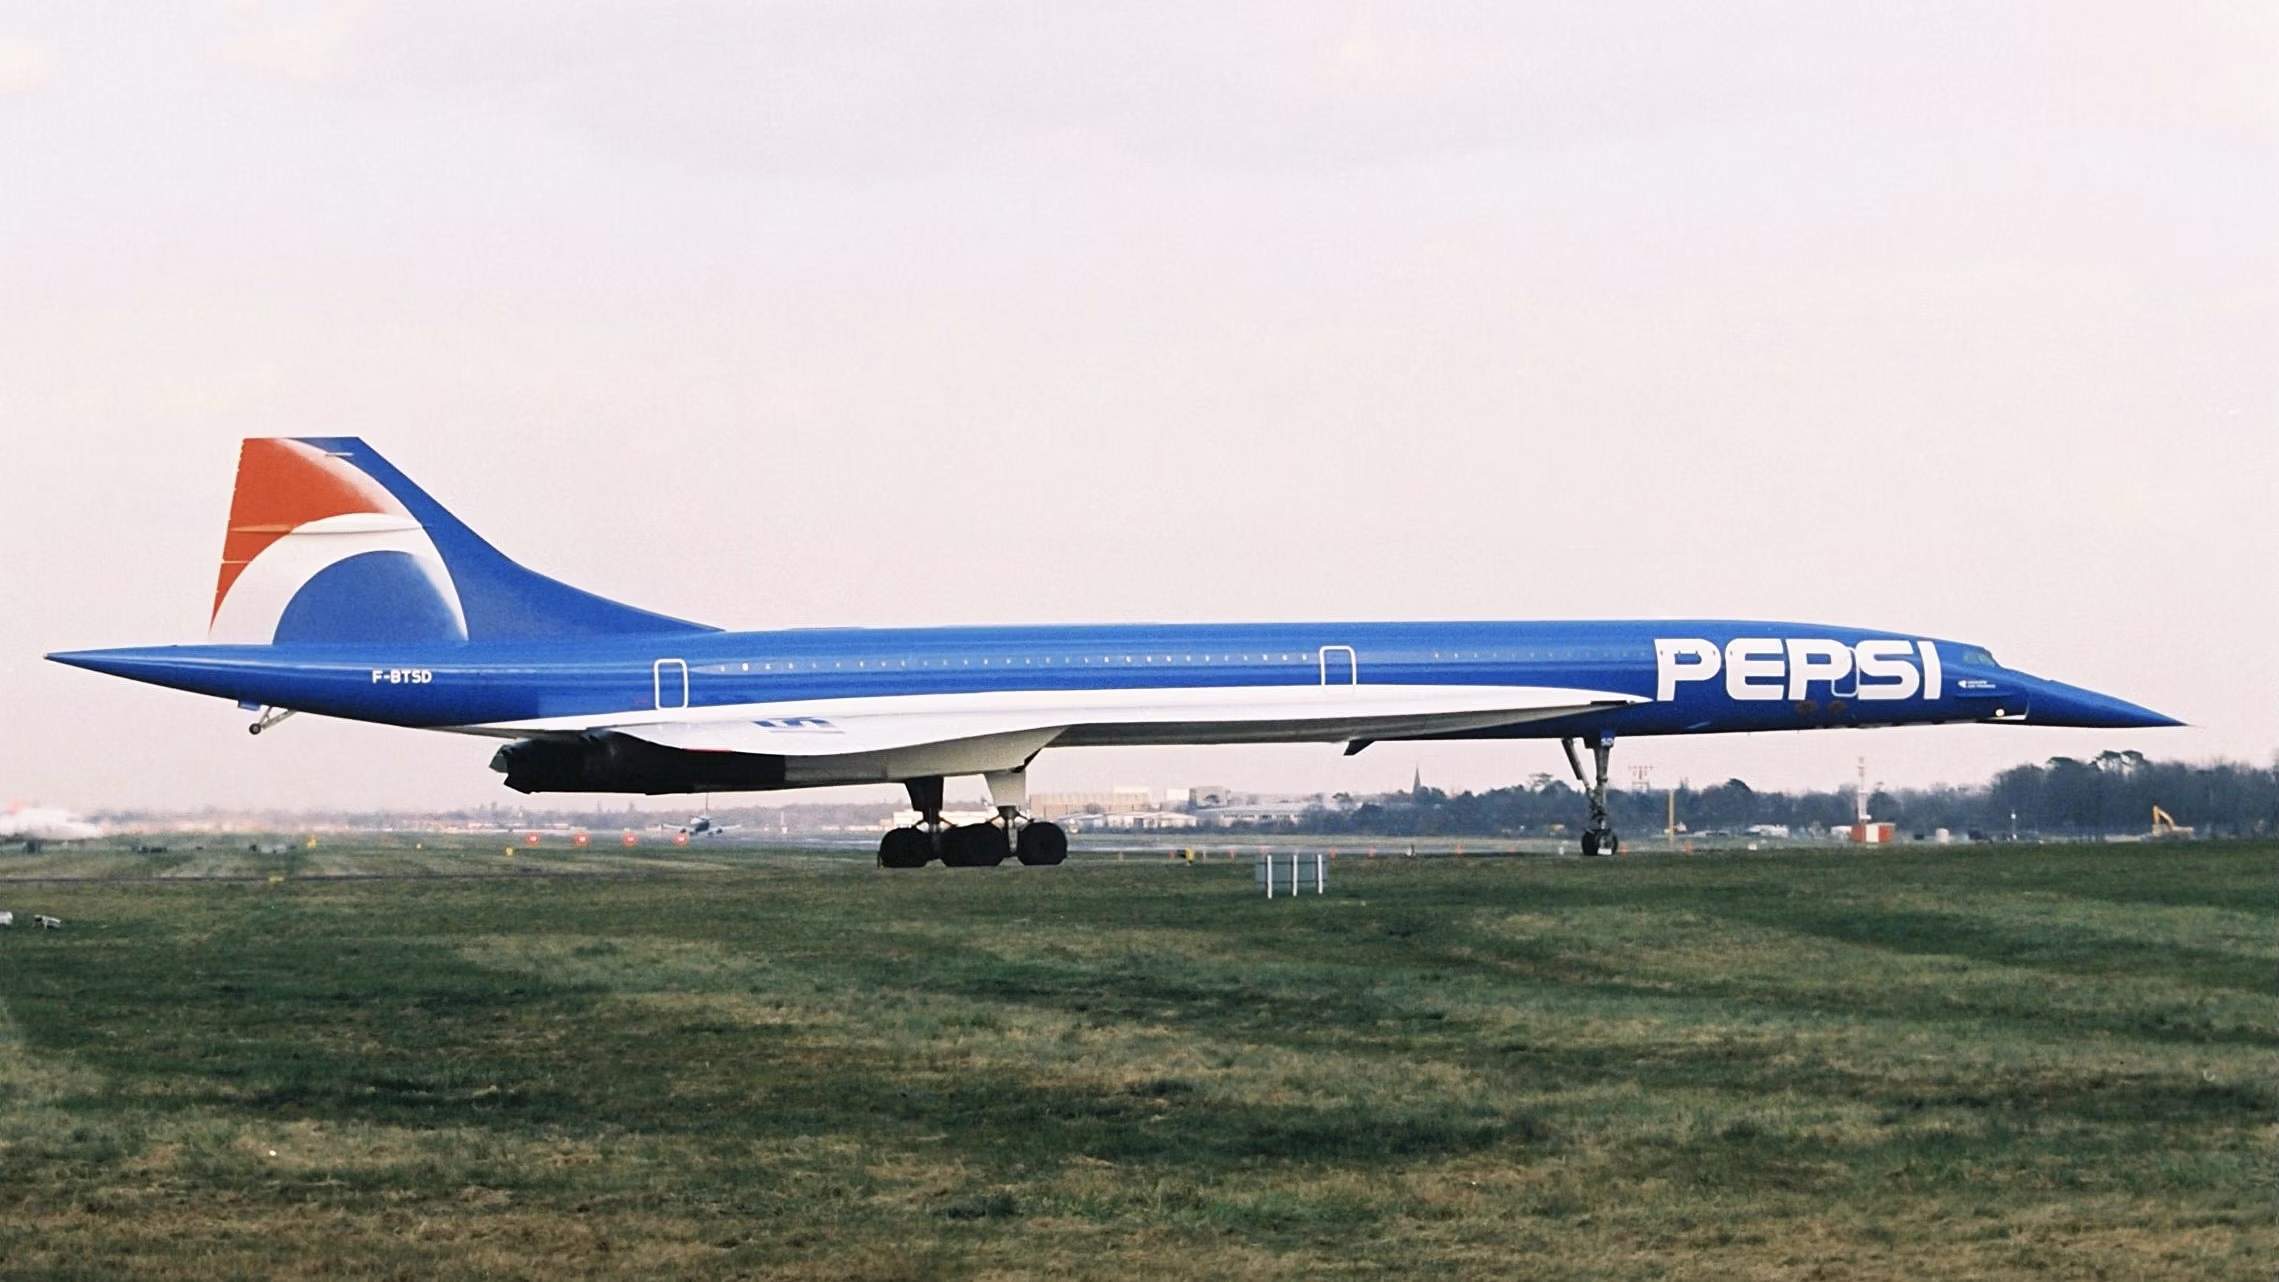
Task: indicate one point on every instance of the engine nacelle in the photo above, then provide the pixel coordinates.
(606, 762)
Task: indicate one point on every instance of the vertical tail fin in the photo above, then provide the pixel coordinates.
(328, 541)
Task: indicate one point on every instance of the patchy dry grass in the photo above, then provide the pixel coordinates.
(1905, 1065)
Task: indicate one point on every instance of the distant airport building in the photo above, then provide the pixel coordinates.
(1257, 813)
(1131, 821)
(909, 818)
(1118, 800)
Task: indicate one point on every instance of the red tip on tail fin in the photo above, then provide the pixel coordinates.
(283, 484)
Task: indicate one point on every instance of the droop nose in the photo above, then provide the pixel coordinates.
(2054, 703)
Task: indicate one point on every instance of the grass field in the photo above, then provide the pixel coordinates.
(1914, 1064)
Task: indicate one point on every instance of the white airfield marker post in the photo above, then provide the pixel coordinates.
(1270, 872)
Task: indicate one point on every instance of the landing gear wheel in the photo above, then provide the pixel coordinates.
(1599, 838)
(976, 846)
(953, 848)
(1043, 844)
(905, 848)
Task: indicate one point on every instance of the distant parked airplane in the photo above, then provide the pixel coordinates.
(38, 826)
(346, 591)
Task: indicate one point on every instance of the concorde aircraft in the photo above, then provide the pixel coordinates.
(346, 591)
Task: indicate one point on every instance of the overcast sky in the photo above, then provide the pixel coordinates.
(1950, 319)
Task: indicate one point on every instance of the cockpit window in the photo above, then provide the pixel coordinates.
(1978, 658)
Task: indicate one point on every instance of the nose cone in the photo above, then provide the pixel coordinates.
(151, 663)
(178, 667)
(2054, 703)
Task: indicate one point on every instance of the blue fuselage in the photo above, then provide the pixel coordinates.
(1693, 676)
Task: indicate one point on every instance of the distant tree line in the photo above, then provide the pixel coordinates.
(2111, 793)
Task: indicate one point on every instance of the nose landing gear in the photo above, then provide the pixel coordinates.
(1599, 838)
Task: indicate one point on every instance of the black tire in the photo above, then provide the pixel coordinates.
(1590, 845)
(976, 846)
(952, 848)
(905, 848)
(1043, 845)
(1611, 846)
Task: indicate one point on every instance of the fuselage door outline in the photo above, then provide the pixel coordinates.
(669, 678)
(1347, 668)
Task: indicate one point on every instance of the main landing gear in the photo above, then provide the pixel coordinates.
(981, 845)
(1599, 838)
